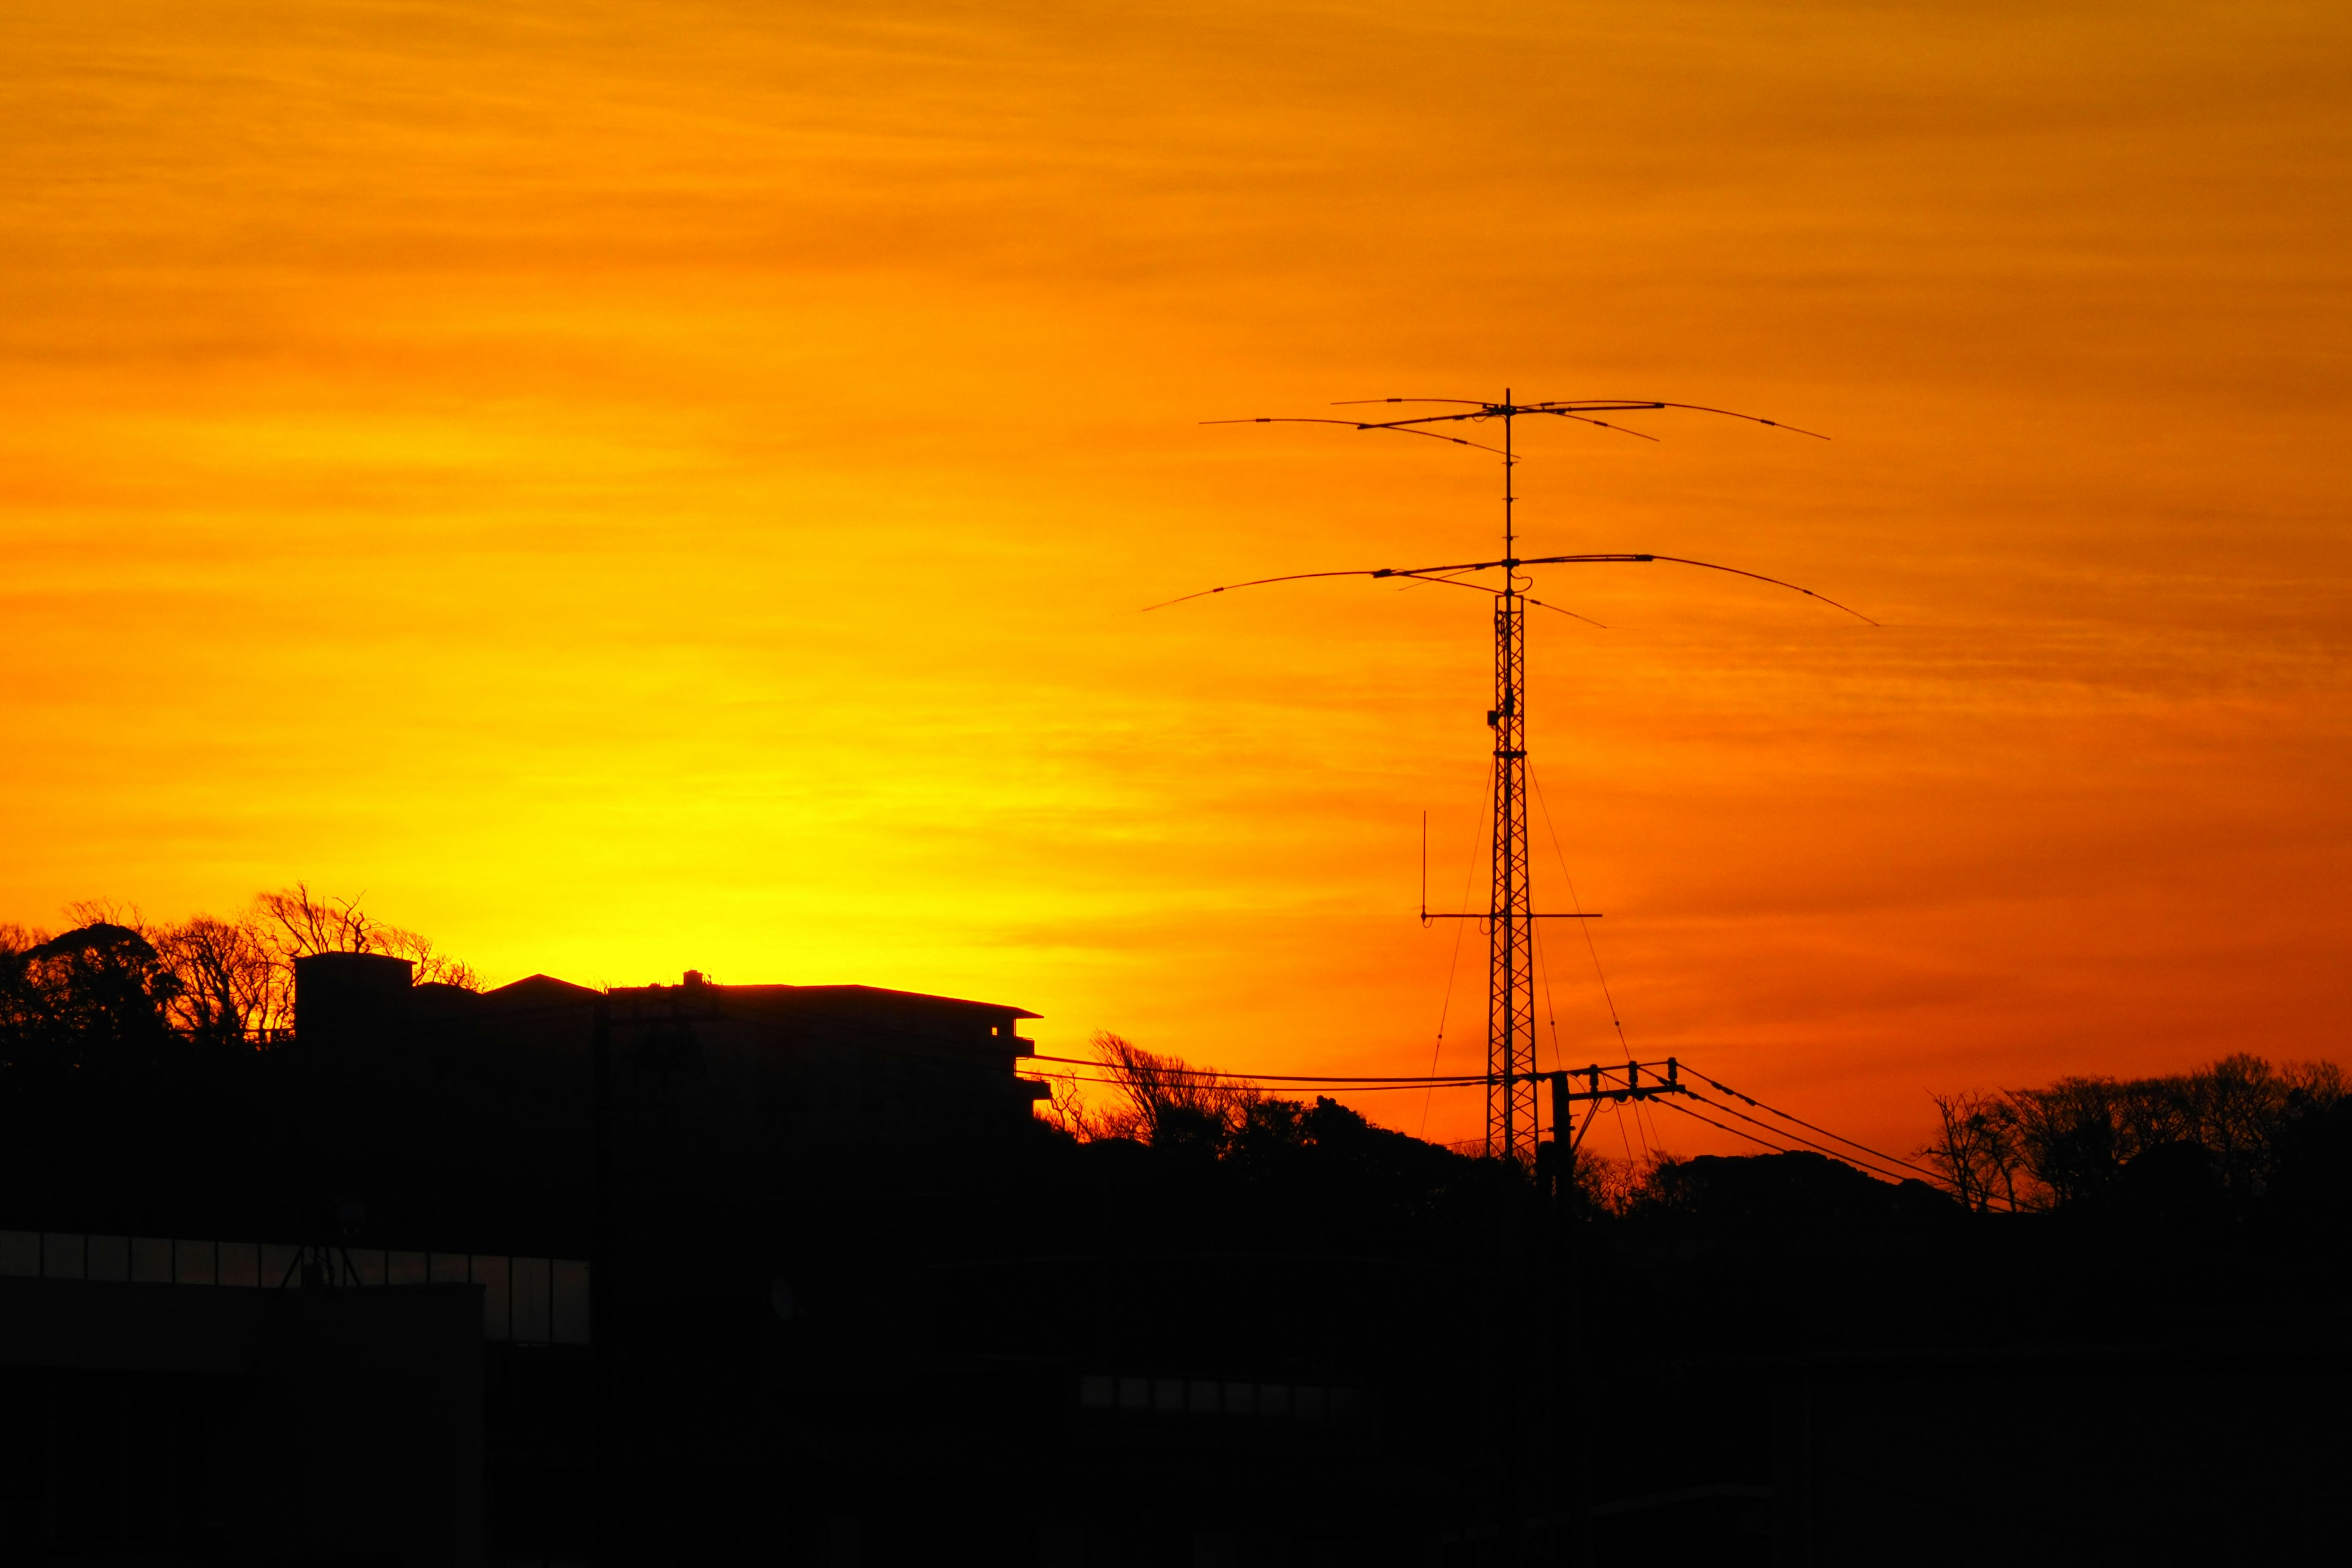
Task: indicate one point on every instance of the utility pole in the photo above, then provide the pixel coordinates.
(1510, 914)
(1558, 1282)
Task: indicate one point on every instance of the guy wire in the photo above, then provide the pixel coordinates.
(1446, 1004)
(1615, 1020)
(1551, 1008)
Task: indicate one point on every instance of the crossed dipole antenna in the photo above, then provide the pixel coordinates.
(1510, 915)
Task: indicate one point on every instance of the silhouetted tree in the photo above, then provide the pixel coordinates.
(294, 923)
(1160, 1099)
(2071, 1143)
(225, 990)
(93, 997)
(1977, 1148)
(2240, 1109)
(206, 981)
(236, 977)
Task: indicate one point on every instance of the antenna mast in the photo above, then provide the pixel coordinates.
(1510, 913)
(1510, 923)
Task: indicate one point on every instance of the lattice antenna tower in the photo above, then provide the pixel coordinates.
(1510, 914)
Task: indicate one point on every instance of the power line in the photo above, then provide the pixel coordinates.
(1453, 963)
(1616, 1019)
(1204, 1077)
(1349, 1086)
(1792, 1137)
(1735, 1131)
(1551, 1007)
(1617, 1114)
(1800, 1122)
(1869, 1161)
(1181, 1070)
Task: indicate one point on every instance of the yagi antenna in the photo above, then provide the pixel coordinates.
(1510, 914)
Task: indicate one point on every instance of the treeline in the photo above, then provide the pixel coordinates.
(2224, 1137)
(1158, 1100)
(2239, 1129)
(1164, 1103)
(117, 989)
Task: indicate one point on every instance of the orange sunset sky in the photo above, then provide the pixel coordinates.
(634, 486)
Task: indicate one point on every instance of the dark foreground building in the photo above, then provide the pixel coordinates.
(675, 1274)
(793, 1275)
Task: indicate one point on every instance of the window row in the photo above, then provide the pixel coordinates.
(1305, 1404)
(529, 1301)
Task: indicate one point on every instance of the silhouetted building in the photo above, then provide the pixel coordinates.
(152, 1422)
(705, 1274)
(2229, 1450)
(839, 1298)
(224, 1273)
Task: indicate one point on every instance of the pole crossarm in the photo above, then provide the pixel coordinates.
(1646, 1091)
(1628, 1084)
(1628, 1089)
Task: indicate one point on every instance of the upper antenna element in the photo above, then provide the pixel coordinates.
(1580, 409)
(1510, 914)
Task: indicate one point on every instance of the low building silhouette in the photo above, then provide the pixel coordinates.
(710, 1274)
(806, 1282)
